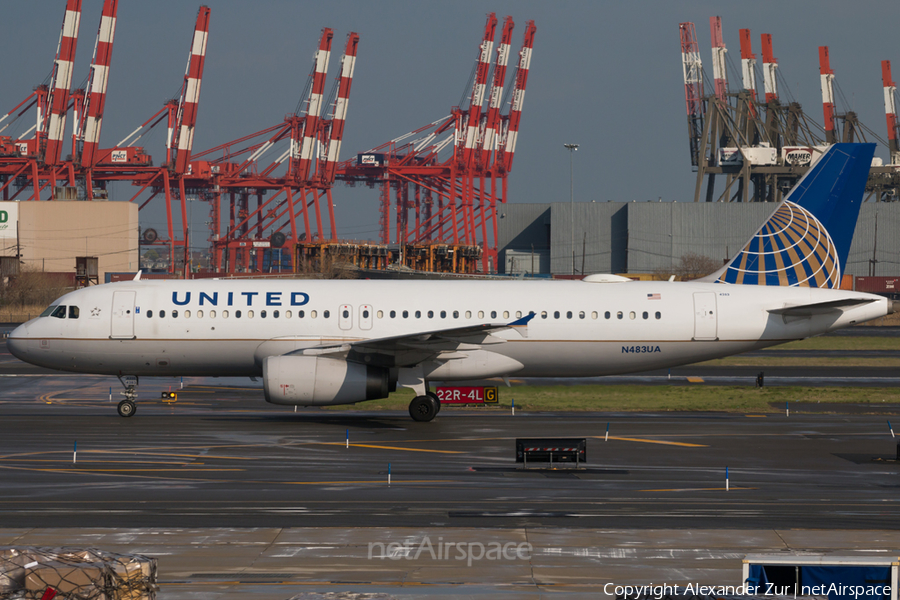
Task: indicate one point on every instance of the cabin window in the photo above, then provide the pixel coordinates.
(380, 314)
(262, 314)
(659, 315)
(59, 312)
(326, 313)
(581, 315)
(175, 314)
(418, 314)
(73, 312)
(187, 314)
(518, 314)
(149, 314)
(392, 314)
(287, 314)
(606, 314)
(346, 314)
(313, 314)
(249, 314)
(224, 314)
(365, 314)
(275, 314)
(646, 315)
(49, 310)
(468, 314)
(443, 314)
(480, 314)
(199, 314)
(212, 314)
(237, 314)
(632, 315)
(544, 314)
(162, 314)
(555, 314)
(594, 314)
(569, 315)
(455, 314)
(620, 314)
(493, 314)
(430, 314)
(505, 314)
(301, 314)
(405, 314)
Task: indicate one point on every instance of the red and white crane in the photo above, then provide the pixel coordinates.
(770, 69)
(98, 82)
(890, 111)
(492, 119)
(467, 130)
(190, 93)
(826, 76)
(748, 68)
(54, 124)
(510, 129)
(720, 75)
(314, 104)
(692, 68)
(339, 113)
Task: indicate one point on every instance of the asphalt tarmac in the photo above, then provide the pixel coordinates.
(238, 498)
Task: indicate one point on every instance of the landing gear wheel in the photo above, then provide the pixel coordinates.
(423, 408)
(126, 408)
(437, 401)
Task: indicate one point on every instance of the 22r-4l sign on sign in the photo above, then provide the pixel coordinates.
(466, 395)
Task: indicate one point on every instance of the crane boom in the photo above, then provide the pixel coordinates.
(492, 120)
(890, 111)
(720, 75)
(770, 69)
(55, 124)
(477, 98)
(348, 65)
(692, 68)
(190, 93)
(827, 81)
(95, 98)
(510, 131)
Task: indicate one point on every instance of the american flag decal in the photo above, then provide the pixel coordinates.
(654, 297)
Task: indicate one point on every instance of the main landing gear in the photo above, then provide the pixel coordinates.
(425, 408)
(127, 407)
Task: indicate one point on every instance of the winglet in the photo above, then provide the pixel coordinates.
(523, 321)
(137, 276)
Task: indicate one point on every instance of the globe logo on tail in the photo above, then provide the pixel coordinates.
(793, 248)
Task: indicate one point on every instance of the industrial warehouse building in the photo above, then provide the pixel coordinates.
(86, 239)
(651, 237)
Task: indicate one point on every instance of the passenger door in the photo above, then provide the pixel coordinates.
(122, 321)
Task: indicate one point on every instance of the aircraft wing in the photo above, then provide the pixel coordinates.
(819, 308)
(411, 349)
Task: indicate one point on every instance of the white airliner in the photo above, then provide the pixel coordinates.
(319, 342)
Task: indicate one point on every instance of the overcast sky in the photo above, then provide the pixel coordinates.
(605, 75)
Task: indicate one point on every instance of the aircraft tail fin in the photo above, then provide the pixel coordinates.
(806, 241)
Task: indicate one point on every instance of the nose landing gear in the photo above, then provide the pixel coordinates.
(127, 407)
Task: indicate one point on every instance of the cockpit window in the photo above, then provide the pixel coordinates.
(73, 312)
(49, 310)
(59, 313)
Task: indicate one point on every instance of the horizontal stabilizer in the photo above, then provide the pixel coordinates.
(819, 308)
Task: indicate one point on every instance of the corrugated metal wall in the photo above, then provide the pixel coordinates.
(643, 237)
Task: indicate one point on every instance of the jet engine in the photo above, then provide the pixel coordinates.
(318, 381)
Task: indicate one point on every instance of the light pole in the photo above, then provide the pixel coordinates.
(572, 148)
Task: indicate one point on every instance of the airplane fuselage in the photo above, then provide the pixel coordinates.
(580, 329)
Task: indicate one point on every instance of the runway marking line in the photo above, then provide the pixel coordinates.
(712, 489)
(386, 447)
(693, 379)
(645, 441)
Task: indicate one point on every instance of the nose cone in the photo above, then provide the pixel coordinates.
(17, 342)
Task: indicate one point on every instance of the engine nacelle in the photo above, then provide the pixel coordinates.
(317, 381)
